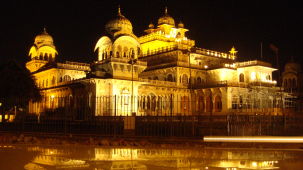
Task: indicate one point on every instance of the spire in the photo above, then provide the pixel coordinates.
(165, 12)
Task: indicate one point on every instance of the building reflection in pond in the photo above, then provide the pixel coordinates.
(157, 159)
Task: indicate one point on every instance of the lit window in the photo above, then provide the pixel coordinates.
(253, 76)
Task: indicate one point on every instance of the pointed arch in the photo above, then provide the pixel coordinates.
(127, 42)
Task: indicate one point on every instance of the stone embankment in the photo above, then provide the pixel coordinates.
(30, 139)
(136, 142)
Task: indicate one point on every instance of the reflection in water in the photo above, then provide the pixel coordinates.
(101, 158)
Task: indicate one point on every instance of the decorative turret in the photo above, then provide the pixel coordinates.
(166, 19)
(42, 52)
(180, 25)
(119, 25)
(118, 50)
(43, 48)
(151, 26)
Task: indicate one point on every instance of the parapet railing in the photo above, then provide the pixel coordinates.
(255, 62)
(75, 66)
(214, 53)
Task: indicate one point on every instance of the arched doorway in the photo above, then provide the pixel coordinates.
(201, 104)
(209, 104)
(218, 103)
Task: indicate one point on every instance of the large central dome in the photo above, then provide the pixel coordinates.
(119, 24)
(44, 39)
(166, 19)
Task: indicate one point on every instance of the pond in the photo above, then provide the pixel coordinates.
(17, 157)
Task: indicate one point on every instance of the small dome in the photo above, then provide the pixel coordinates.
(166, 19)
(120, 23)
(44, 39)
(151, 26)
(180, 25)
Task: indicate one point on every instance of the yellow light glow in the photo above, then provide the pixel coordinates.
(223, 74)
(233, 51)
(256, 139)
(205, 66)
(254, 164)
(52, 96)
(253, 76)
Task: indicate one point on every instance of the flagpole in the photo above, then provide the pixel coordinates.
(261, 50)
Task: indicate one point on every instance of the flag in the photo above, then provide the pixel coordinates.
(273, 48)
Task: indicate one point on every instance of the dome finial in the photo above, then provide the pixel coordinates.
(44, 30)
(119, 10)
(166, 10)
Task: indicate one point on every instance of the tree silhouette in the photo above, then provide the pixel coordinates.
(17, 86)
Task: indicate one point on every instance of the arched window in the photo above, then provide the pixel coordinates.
(178, 35)
(132, 53)
(201, 104)
(218, 104)
(199, 80)
(241, 77)
(125, 96)
(148, 103)
(240, 102)
(289, 83)
(144, 103)
(125, 52)
(294, 83)
(170, 78)
(184, 104)
(209, 104)
(156, 78)
(184, 79)
(53, 81)
(285, 83)
(119, 51)
(153, 103)
(67, 78)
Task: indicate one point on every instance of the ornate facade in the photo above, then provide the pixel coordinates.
(160, 73)
(292, 83)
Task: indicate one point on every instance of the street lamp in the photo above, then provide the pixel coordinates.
(132, 61)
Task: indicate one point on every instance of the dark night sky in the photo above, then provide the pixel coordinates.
(213, 24)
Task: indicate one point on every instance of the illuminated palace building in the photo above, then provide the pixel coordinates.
(160, 73)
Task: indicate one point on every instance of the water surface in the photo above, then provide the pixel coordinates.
(105, 158)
